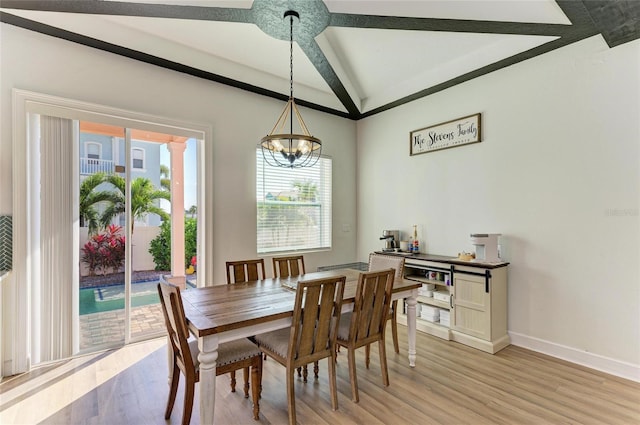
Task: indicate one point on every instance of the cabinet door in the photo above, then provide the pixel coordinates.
(472, 306)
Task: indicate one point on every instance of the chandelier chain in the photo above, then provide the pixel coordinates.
(291, 57)
(290, 72)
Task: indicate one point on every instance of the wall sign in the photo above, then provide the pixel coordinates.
(458, 132)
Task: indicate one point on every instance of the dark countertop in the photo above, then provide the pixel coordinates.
(446, 259)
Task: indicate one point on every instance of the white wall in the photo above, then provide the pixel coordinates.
(556, 173)
(38, 63)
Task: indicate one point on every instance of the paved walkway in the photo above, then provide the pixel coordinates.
(107, 328)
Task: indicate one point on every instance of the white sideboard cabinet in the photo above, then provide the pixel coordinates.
(468, 303)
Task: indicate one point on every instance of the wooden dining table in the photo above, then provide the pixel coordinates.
(221, 313)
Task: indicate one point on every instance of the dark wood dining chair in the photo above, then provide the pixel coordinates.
(232, 355)
(288, 266)
(312, 335)
(367, 322)
(381, 262)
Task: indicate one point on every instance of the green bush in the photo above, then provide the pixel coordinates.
(160, 247)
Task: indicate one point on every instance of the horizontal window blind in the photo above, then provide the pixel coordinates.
(294, 206)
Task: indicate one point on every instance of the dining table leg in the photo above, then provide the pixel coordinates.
(412, 300)
(208, 356)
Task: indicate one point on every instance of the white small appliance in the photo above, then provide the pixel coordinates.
(486, 247)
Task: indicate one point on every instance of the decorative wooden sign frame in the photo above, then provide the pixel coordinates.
(458, 132)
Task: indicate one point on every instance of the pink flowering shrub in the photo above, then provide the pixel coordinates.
(104, 251)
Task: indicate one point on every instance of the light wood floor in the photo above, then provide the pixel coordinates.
(451, 384)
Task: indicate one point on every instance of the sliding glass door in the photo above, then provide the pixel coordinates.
(58, 212)
(126, 213)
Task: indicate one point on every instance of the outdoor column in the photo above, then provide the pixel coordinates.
(176, 150)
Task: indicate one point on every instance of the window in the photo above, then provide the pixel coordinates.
(137, 156)
(294, 206)
(93, 151)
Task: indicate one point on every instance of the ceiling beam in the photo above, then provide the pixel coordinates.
(118, 8)
(320, 62)
(617, 21)
(576, 13)
(447, 25)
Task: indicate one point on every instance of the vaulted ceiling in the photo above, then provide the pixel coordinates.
(352, 58)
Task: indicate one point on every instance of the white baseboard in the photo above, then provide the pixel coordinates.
(594, 361)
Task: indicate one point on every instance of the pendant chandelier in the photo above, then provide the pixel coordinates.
(290, 150)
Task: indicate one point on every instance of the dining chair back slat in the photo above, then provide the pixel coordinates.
(245, 270)
(288, 266)
(373, 297)
(316, 320)
(317, 309)
(306, 340)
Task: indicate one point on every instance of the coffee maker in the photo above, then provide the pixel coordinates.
(487, 246)
(391, 240)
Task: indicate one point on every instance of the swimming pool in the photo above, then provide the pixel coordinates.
(111, 297)
(108, 298)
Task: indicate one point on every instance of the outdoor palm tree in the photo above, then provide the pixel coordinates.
(307, 190)
(165, 181)
(90, 198)
(192, 211)
(144, 199)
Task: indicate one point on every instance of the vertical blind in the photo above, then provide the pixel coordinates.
(293, 206)
(56, 278)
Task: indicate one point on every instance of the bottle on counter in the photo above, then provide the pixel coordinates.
(416, 243)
